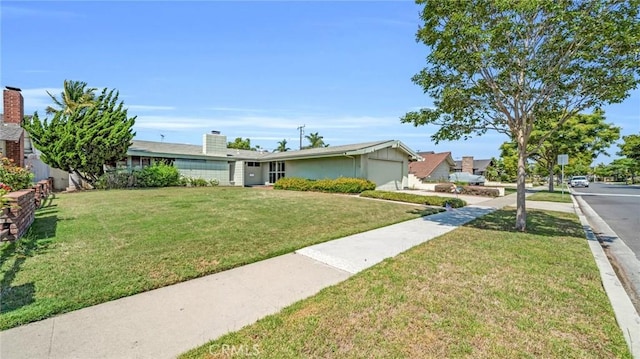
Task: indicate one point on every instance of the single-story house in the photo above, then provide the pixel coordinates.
(475, 167)
(385, 163)
(16, 144)
(429, 169)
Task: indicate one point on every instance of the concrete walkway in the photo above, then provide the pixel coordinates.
(168, 321)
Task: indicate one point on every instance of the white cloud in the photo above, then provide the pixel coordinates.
(23, 12)
(257, 123)
(150, 108)
(37, 99)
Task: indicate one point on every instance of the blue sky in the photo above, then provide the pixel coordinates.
(248, 69)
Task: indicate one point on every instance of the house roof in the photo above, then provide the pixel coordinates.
(10, 131)
(164, 149)
(345, 150)
(479, 165)
(431, 161)
(156, 149)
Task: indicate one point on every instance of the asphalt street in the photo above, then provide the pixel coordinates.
(619, 206)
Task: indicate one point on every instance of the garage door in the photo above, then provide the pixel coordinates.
(386, 174)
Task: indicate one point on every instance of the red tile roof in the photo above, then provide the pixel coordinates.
(422, 169)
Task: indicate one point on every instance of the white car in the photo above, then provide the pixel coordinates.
(579, 181)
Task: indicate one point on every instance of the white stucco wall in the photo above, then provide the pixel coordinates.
(388, 168)
(204, 169)
(332, 167)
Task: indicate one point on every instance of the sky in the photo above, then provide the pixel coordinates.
(256, 70)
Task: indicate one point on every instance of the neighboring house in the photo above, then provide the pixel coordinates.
(431, 168)
(475, 167)
(383, 162)
(15, 143)
(11, 132)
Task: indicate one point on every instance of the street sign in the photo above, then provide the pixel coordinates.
(563, 159)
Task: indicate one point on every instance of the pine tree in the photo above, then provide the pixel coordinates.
(83, 140)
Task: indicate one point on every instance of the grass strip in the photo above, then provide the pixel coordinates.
(481, 291)
(91, 247)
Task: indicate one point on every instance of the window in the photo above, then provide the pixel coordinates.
(253, 164)
(276, 171)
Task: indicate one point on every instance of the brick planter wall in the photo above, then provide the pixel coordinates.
(18, 214)
(19, 209)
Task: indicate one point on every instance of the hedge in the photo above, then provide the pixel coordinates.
(415, 198)
(469, 190)
(339, 185)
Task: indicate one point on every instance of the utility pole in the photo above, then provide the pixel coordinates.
(301, 129)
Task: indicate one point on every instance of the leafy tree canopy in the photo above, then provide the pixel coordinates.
(282, 146)
(315, 141)
(240, 144)
(630, 147)
(506, 65)
(75, 94)
(83, 139)
(583, 137)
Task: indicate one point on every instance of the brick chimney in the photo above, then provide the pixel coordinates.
(467, 164)
(13, 114)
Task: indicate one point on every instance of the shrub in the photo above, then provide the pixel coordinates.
(338, 185)
(15, 177)
(453, 202)
(115, 180)
(480, 191)
(444, 187)
(415, 198)
(197, 182)
(469, 190)
(158, 175)
(293, 184)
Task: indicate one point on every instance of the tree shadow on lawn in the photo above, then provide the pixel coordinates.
(35, 241)
(538, 223)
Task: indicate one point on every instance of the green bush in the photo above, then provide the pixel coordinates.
(415, 198)
(198, 182)
(158, 175)
(16, 178)
(480, 191)
(338, 185)
(115, 180)
(293, 184)
(453, 202)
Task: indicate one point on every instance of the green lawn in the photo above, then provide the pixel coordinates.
(481, 291)
(555, 196)
(92, 247)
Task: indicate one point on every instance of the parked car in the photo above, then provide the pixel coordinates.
(579, 181)
(468, 178)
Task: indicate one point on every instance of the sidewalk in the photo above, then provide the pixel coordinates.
(164, 323)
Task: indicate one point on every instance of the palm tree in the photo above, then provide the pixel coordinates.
(282, 146)
(315, 140)
(74, 95)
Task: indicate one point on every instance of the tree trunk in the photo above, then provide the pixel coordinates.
(551, 177)
(521, 211)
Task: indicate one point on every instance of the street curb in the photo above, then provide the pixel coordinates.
(625, 313)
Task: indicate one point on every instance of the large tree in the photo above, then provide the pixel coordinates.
(75, 94)
(282, 146)
(315, 140)
(630, 147)
(240, 144)
(505, 65)
(83, 140)
(583, 137)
